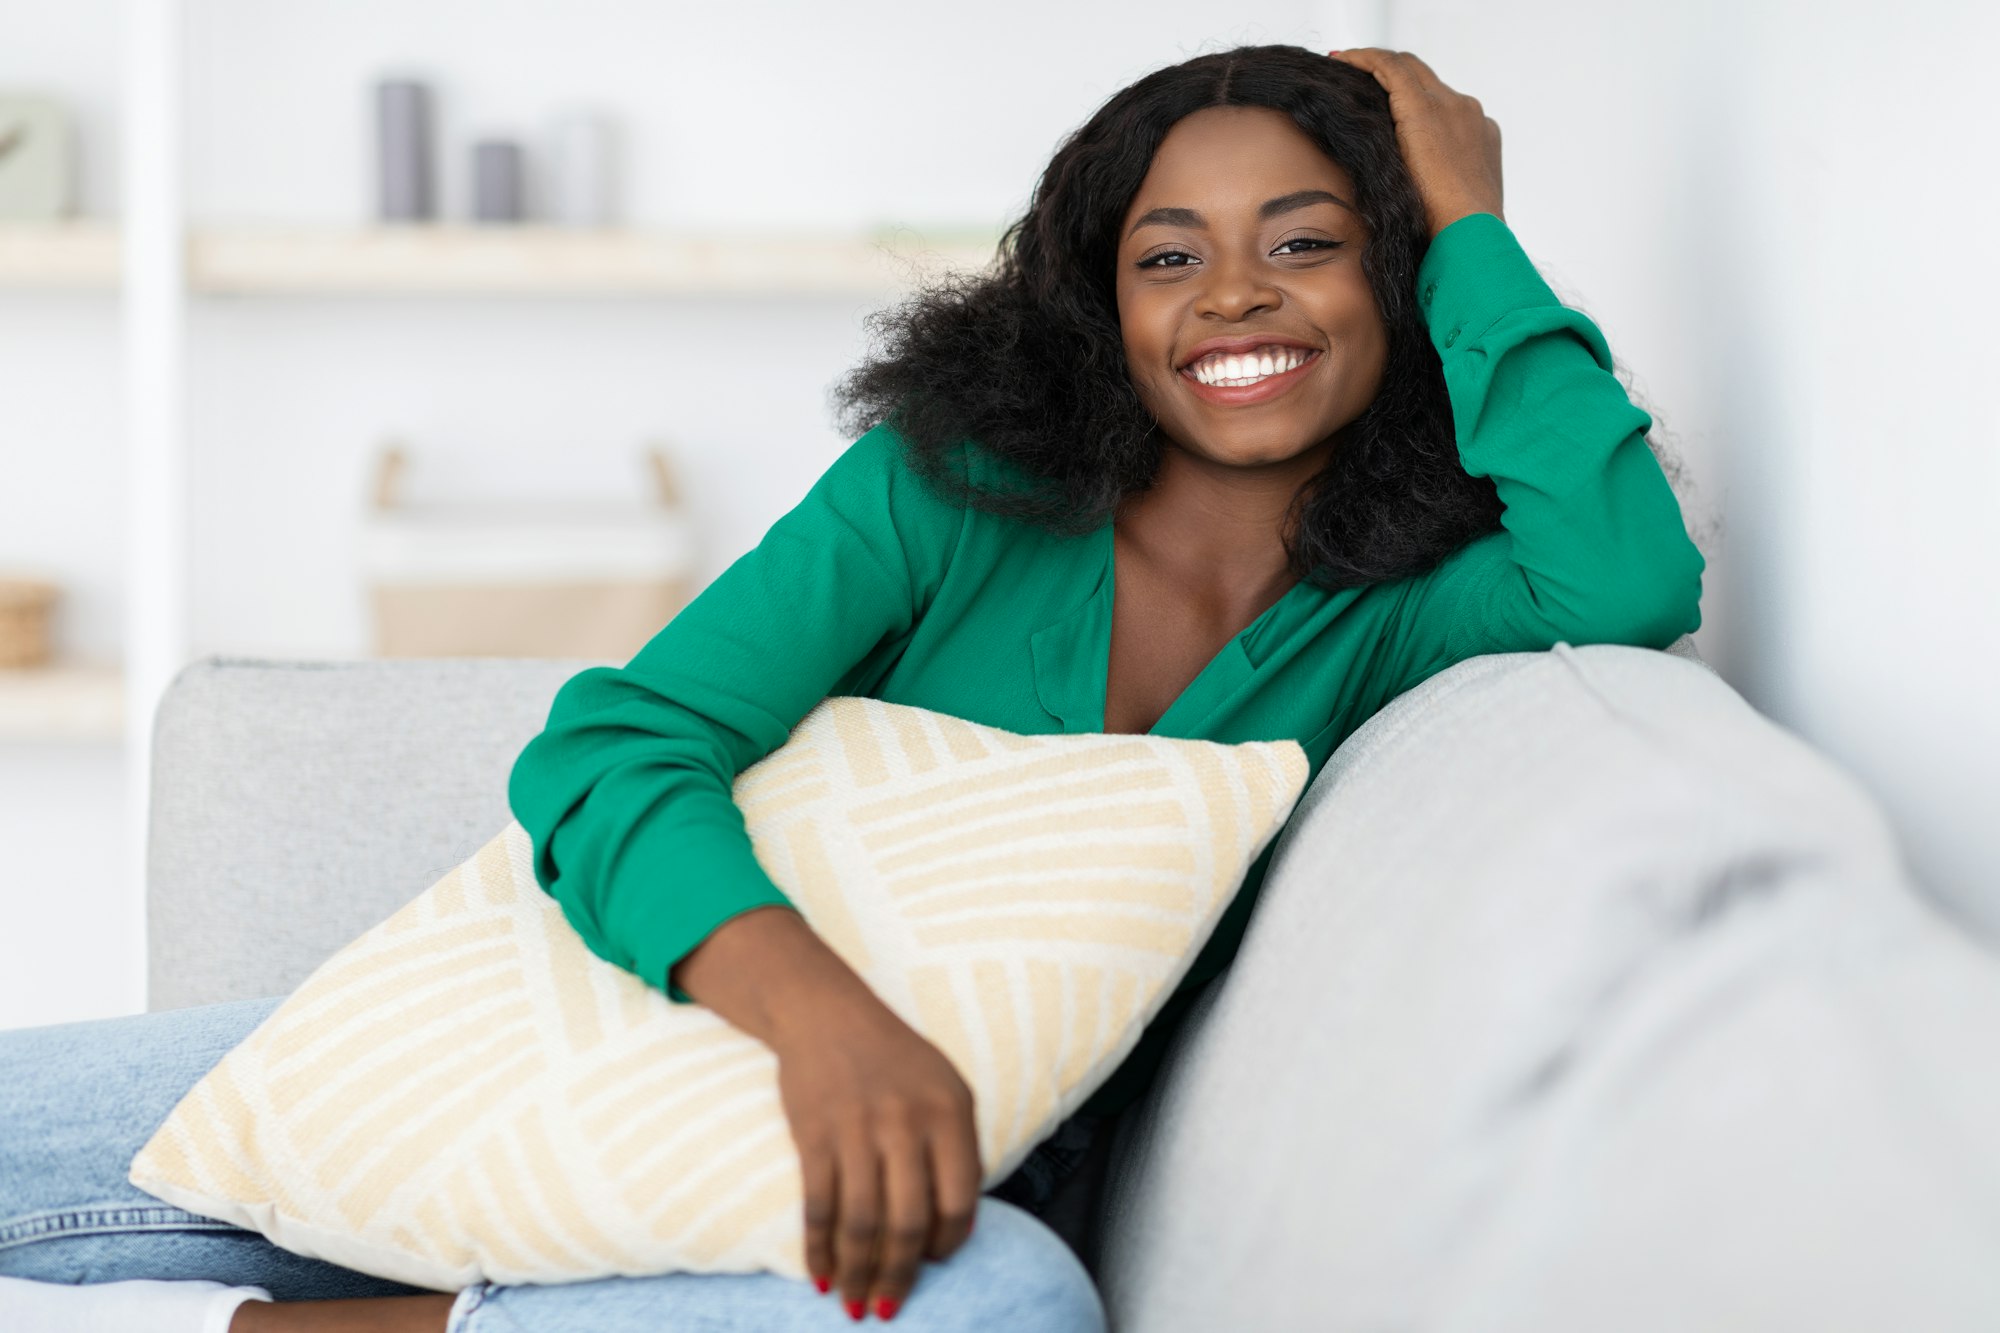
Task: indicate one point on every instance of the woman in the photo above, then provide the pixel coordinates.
(1262, 419)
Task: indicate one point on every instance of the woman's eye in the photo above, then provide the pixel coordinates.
(1154, 261)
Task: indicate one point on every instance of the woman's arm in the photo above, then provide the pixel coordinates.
(626, 794)
(1593, 548)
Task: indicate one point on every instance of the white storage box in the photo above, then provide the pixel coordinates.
(524, 580)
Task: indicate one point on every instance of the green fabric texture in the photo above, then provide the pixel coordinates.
(873, 585)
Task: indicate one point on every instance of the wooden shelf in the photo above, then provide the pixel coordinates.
(59, 256)
(526, 259)
(495, 260)
(70, 701)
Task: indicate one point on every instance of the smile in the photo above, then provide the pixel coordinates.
(1251, 383)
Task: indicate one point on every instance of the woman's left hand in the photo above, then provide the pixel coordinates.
(1450, 144)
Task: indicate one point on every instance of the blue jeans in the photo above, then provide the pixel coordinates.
(78, 1100)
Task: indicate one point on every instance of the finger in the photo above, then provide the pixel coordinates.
(855, 1233)
(955, 1177)
(1418, 72)
(1397, 71)
(1354, 55)
(1377, 62)
(817, 1169)
(906, 1190)
(1367, 57)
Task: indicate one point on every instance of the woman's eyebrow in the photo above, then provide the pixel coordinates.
(1270, 208)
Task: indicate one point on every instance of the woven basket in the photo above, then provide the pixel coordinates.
(25, 606)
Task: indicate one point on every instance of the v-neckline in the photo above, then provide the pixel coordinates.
(1233, 658)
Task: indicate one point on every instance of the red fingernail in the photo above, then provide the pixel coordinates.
(886, 1308)
(823, 1283)
(854, 1310)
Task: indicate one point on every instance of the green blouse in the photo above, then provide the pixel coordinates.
(872, 585)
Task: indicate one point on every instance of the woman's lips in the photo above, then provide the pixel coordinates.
(1268, 387)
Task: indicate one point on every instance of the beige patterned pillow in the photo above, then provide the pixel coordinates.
(466, 1092)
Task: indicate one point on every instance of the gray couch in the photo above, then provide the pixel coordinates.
(1579, 997)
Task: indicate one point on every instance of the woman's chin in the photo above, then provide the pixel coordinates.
(1253, 449)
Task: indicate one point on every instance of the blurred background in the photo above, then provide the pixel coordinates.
(327, 327)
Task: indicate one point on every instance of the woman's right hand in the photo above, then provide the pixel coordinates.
(888, 1145)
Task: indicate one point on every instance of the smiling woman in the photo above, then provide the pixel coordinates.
(1293, 424)
(1206, 334)
(1258, 195)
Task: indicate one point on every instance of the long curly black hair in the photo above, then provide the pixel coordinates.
(1026, 360)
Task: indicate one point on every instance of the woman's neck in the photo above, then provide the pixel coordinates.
(1212, 529)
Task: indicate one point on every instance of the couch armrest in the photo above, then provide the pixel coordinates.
(1580, 996)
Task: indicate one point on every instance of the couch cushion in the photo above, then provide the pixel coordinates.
(1580, 996)
(373, 777)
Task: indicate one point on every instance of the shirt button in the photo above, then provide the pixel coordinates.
(1451, 338)
(1429, 289)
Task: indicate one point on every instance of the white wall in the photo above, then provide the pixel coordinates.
(1855, 360)
(62, 498)
(1776, 212)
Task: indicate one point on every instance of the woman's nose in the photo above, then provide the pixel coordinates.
(1234, 289)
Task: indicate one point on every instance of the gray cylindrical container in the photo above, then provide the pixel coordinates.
(406, 189)
(498, 193)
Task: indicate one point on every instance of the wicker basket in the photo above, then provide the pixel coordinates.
(543, 580)
(26, 607)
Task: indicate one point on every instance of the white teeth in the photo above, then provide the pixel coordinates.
(1248, 367)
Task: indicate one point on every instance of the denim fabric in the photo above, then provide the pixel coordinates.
(78, 1100)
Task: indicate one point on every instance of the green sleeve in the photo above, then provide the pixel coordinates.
(626, 794)
(1592, 547)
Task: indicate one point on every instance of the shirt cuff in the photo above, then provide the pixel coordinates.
(683, 879)
(1474, 274)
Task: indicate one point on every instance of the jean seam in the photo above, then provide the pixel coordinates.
(55, 1223)
(464, 1305)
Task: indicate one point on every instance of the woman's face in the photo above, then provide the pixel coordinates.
(1233, 236)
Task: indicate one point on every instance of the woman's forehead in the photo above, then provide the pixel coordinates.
(1232, 160)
